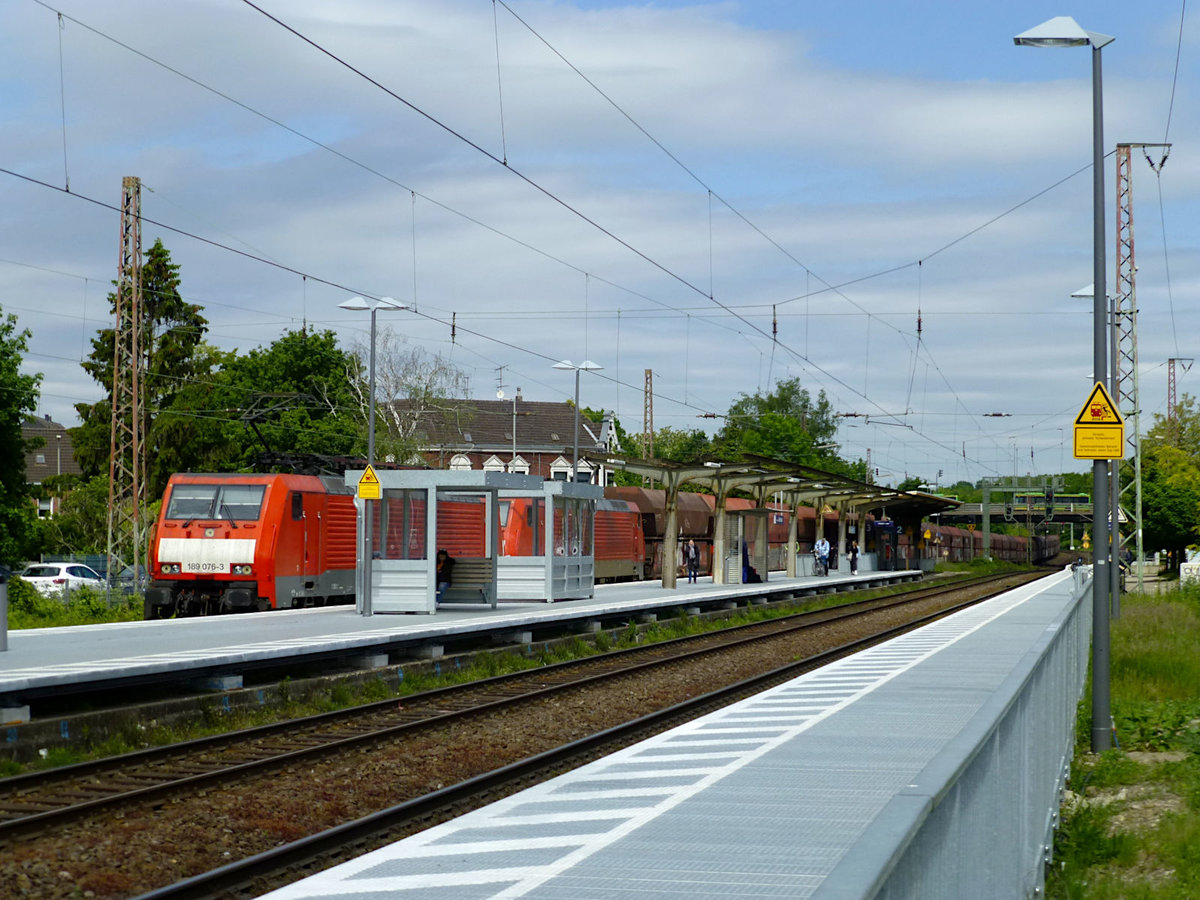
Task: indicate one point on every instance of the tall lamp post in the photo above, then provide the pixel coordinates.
(586, 366)
(361, 304)
(1064, 31)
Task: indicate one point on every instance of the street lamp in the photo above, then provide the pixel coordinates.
(1064, 31)
(586, 366)
(360, 304)
(512, 462)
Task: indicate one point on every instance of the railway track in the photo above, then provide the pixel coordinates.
(38, 803)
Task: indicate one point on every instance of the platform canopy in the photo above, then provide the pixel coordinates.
(764, 477)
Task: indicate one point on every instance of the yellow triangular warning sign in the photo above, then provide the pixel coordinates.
(369, 476)
(1099, 409)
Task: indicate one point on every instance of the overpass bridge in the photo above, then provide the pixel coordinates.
(1021, 514)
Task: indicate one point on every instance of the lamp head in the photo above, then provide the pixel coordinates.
(361, 304)
(1061, 31)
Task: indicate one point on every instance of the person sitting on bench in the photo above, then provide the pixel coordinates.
(445, 568)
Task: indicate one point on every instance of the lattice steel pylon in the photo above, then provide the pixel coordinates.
(1125, 350)
(648, 416)
(1173, 398)
(127, 449)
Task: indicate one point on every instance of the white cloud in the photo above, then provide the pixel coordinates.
(852, 168)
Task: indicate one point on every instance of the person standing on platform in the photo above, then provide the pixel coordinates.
(445, 569)
(821, 548)
(691, 558)
(853, 557)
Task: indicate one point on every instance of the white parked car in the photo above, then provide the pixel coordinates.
(52, 579)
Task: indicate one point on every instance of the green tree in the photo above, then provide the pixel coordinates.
(1171, 481)
(412, 387)
(81, 524)
(678, 445)
(785, 424)
(301, 393)
(20, 395)
(174, 357)
(193, 433)
(1170, 499)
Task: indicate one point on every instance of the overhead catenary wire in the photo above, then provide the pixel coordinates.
(538, 187)
(346, 288)
(475, 221)
(807, 275)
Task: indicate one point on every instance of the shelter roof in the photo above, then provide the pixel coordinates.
(763, 476)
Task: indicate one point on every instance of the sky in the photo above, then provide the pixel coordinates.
(888, 201)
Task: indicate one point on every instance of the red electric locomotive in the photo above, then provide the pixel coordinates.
(239, 543)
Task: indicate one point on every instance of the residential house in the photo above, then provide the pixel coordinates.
(510, 435)
(55, 455)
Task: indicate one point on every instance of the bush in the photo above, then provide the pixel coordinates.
(85, 606)
(22, 596)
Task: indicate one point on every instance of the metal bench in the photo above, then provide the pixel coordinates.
(472, 581)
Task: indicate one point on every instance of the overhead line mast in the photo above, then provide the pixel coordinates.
(1125, 351)
(127, 448)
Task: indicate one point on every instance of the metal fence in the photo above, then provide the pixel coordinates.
(988, 830)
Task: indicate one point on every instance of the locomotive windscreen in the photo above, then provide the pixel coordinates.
(209, 501)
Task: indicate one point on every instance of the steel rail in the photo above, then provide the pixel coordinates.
(79, 778)
(249, 874)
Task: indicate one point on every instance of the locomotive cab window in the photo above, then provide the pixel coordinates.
(191, 501)
(213, 501)
(297, 506)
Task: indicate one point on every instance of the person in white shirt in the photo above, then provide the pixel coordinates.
(821, 548)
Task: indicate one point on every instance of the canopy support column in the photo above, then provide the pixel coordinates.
(793, 536)
(841, 542)
(719, 548)
(670, 551)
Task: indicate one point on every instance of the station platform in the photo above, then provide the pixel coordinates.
(817, 788)
(40, 662)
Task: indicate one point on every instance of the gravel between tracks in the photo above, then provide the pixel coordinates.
(146, 848)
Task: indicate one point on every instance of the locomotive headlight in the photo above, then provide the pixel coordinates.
(242, 569)
(170, 568)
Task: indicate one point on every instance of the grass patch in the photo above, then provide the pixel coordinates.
(979, 566)
(1131, 826)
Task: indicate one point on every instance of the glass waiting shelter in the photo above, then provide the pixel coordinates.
(746, 548)
(547, 549)
(512, 537)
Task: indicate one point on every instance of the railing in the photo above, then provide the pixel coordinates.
(979, 820)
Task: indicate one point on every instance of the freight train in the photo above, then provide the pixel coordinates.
(243, 543)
